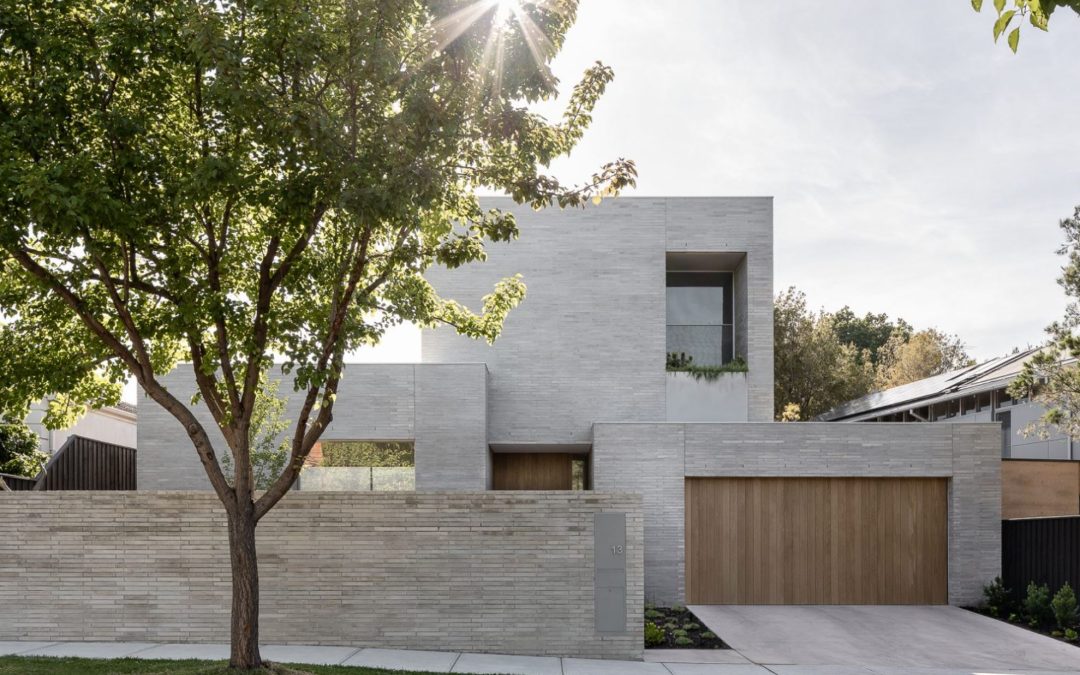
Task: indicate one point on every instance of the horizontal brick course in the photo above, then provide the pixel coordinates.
(482, 572)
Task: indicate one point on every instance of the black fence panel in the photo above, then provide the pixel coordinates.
(1043, 550)
(17, 483)
(85, 464)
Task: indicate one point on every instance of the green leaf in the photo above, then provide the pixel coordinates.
(999, 5)
(1039, 17)
(1002, 23)
(1014, 39)
(977, 5)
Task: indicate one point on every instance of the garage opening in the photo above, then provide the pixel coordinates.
(817, 541)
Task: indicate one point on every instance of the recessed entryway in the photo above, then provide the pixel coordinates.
(539, 471)
(816, 541)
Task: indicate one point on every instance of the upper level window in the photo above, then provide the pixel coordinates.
(700, 317)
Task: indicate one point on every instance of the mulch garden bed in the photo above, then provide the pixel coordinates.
(1015, 620)
(678, 628)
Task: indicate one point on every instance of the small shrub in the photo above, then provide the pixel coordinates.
(654, 635)
(652, 615)
(678, 609)
(1056, 633)
(691, 626)
(1037, 608)
(1070, 635)
(1064, 606)
(670, 625)
(996, 597)
(679, 633)
(1014, 617)
(683, 641)
(708, 635)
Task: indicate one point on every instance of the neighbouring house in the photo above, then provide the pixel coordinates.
(112, 424)
(642, 362)
(1040, 474)
(977, 393)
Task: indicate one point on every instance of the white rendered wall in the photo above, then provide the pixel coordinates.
(109, 425)
(691, 399)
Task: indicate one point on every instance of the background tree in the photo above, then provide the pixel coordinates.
(226, 181)
(269, 446)
(813, 370)
(367, 453)
(1052, 377)
(924, 354)
(19, 453)
(868, 333)
(1037, 12)
(824, 359)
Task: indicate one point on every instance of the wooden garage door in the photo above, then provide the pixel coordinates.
(816, 541)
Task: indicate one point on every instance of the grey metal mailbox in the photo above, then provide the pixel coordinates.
(609, 540)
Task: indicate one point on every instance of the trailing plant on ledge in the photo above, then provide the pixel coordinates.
(680, 362)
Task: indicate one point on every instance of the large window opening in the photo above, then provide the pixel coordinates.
(360, 466)
(701, 310)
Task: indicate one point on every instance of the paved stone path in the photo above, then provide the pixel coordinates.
(658, 661)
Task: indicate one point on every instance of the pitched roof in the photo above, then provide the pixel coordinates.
(985, 376)
(126, 407)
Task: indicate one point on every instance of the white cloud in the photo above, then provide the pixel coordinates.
(918, 168)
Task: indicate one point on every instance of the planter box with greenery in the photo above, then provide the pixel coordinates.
(698, 393)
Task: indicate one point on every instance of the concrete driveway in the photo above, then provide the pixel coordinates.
(893, 639)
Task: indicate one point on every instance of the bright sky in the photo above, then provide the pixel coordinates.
(918, 169)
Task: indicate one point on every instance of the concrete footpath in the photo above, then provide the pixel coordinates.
(658, 661)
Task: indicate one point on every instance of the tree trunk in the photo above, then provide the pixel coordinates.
(245, 587)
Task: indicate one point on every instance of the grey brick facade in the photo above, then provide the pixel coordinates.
(650, 456)
(589, 342)
(490, 572)
(441, 407)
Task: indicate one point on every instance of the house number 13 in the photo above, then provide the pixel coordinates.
(616, 550)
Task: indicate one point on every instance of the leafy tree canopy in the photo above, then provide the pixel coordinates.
(814, 370)
(225, 182)
(1051, 376)
(19, 453)
(239, 182)
(924, 354)
(823, 359)
(1010, 16)
(868, 333)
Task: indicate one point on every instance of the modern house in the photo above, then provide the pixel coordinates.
(1040, 471)
(642, 362)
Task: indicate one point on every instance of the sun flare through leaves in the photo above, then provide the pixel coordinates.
(505, 22)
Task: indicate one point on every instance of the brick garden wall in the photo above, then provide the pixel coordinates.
(482, 572)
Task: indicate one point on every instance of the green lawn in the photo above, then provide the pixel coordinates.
(44, 665)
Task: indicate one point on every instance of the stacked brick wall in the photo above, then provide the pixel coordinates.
(488, 572)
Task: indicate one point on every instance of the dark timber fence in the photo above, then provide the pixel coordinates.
(17, 483)
(1043, 550)
(85, 464)
(82, 464)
